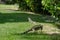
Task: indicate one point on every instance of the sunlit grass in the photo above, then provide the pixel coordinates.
(7, 8)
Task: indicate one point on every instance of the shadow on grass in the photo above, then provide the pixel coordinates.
(19, 17)
(58, 26)
(41, 36)
(16, 17)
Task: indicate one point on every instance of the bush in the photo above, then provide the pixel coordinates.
(23, 5)
(50, 5)
(35, 5)
(11, 1)
(46, 6)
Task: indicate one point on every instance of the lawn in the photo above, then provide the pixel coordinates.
(13, 23)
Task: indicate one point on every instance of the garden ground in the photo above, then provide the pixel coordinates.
(13, 22)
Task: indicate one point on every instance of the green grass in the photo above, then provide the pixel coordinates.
(11, 31)
(12, 23)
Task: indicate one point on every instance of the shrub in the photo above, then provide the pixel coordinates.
(35, 5)
(23, 5)
(11, 1)
(50, 5)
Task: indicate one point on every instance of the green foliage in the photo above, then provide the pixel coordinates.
(32, 5)
(50, 5)
(35, 5)
(11, 1)
(23, 5)
(58, 8)
(58, 3)
(39, 5)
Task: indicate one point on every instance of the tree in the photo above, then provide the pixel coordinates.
(23, 5)
(32, 5)
(35, 5)
(38, 6)
(11, 1)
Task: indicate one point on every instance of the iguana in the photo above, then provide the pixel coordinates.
(34, 28)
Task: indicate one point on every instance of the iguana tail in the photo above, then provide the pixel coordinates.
(27, 31)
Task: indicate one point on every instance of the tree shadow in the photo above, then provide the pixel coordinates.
(41, 36)
(58, 26)
(55, 36)
(20, 17)
(14, 17)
